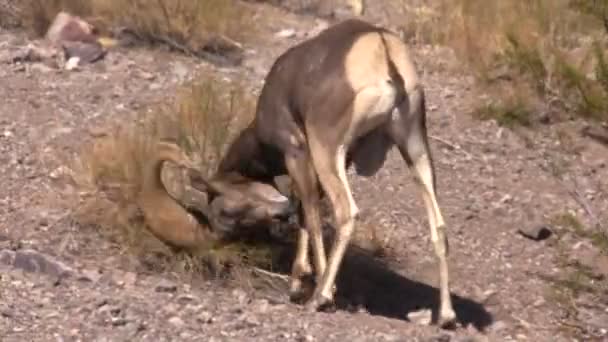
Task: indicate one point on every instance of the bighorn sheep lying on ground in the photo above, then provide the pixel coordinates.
(167, 219)
(195, 228)
(345, 96)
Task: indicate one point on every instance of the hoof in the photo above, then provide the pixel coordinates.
(299, 296)
(447, 319)
(317, 302)
(301, 289)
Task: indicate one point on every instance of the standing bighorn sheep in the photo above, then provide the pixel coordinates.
(345, 96)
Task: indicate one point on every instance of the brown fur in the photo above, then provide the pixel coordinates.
(166, 218)
(345, 96)
(67, 27)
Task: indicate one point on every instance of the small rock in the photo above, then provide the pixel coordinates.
(186, 298)
(506, 199)
(539, 302)
(130, 278)
(118, 321)
(147, 76)
(440, 338)
(240, 295)
(180, 71)
(308, 338)
(32, 261)
(499, 326)
(85, 52)
(176, 321)
(286, 33)
(90, 275)
(72, 63)
(166, 286)
(205, 317)
(261, 306)
(155, 86)
(252, 321)
(536, 233)
(421, 317)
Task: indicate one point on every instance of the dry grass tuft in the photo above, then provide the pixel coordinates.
(184, 24)
(549, 54)
(202, 120)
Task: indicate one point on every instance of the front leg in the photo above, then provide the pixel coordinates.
(331, 169)
(301, 267)
(307, 190)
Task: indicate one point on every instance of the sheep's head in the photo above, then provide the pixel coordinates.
(236, 203)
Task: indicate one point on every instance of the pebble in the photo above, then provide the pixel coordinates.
(176, 321)
(90, 275)
(536, 233)
(422, 317)
(286, 33)
(205, 317)
(166, 286)
(186, 298)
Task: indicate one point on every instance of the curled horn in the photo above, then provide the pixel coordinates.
(213, 207)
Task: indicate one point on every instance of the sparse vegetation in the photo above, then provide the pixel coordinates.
(577, 281)
(187, 25)
(203, 118)
(572, 224)
(549, 52)
(506, 114)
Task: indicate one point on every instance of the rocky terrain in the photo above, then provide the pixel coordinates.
(521, 270)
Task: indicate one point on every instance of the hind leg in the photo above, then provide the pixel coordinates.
(408, 131)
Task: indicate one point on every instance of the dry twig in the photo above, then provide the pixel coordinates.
(281, 277)
(451, 145)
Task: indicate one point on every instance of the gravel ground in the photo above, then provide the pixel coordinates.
(62, 282)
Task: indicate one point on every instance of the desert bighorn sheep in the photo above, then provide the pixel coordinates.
(345, 96)
(197, 228)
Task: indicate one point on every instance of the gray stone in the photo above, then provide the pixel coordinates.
(166, 286)
(536, 233)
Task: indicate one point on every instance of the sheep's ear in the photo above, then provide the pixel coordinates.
(198, 182)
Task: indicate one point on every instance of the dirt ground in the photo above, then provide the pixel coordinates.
(492, 182)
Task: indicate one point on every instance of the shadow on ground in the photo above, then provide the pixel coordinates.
(366, 281)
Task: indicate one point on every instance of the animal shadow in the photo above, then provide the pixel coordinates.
(366, 281)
